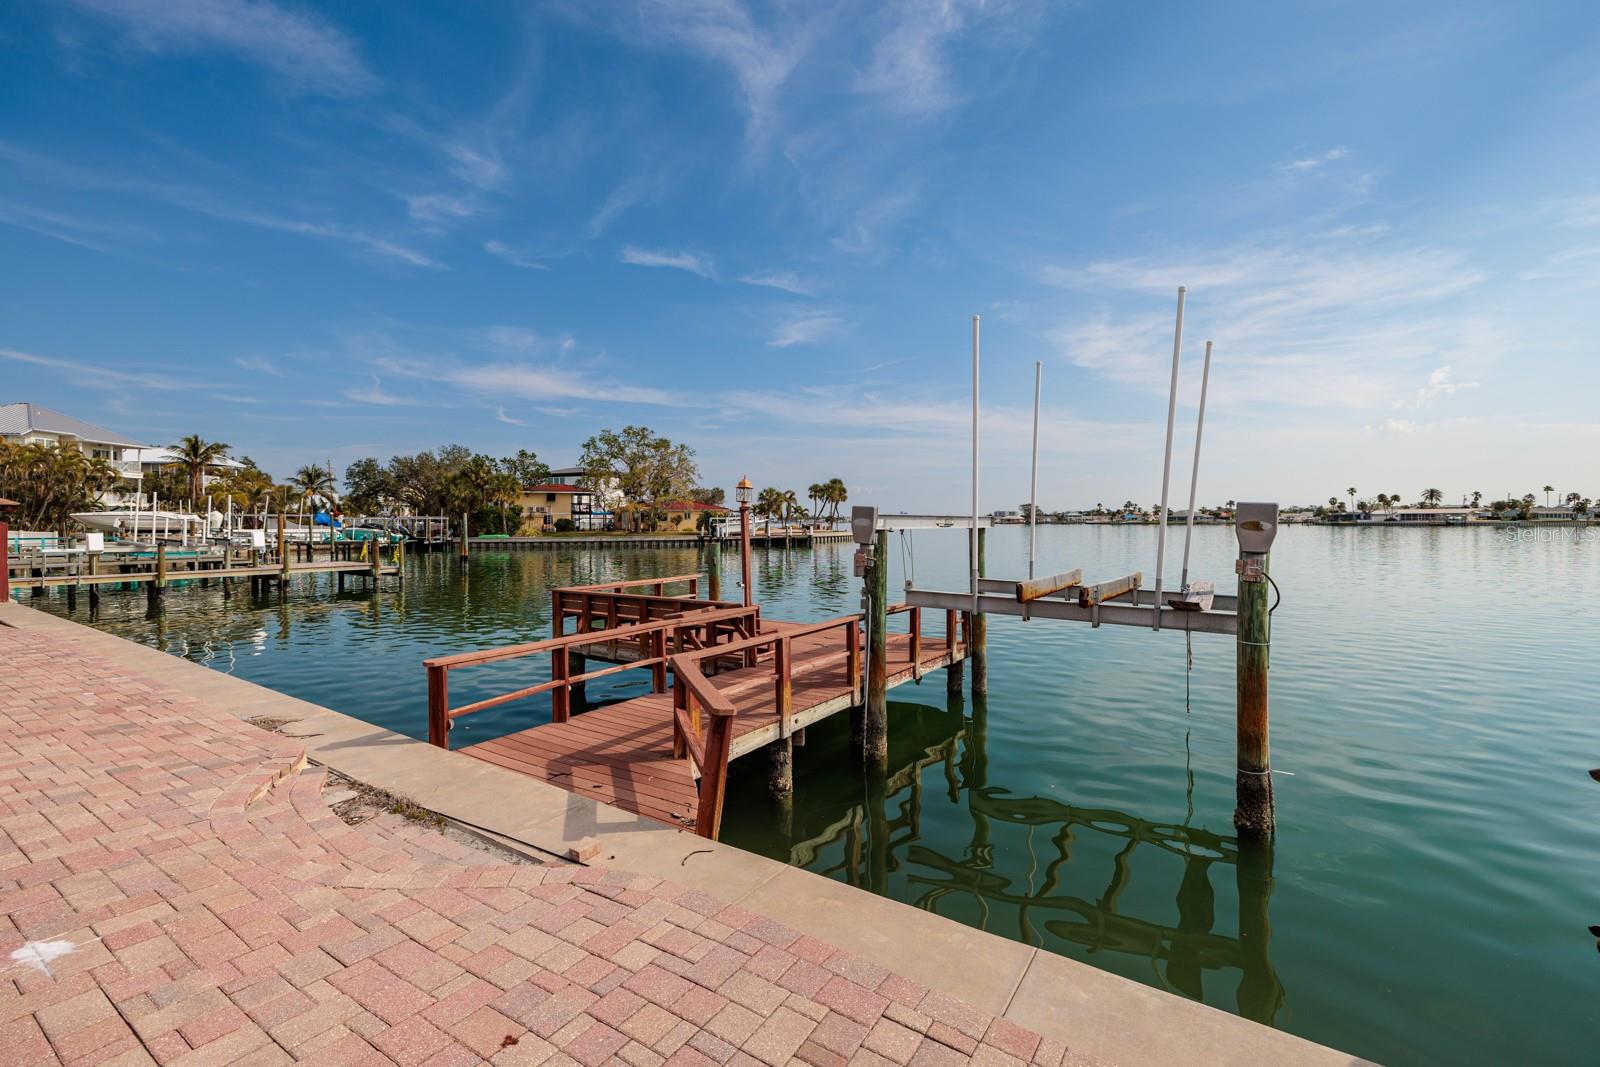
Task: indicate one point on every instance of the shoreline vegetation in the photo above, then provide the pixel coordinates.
(637, 478)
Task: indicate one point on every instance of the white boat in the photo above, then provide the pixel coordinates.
(149, 524)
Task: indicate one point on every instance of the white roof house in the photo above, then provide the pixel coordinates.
(26, 423)
(155, 458)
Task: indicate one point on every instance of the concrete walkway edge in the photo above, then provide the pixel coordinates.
(1093, 1011)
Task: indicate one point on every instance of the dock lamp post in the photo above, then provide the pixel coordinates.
(743, 491)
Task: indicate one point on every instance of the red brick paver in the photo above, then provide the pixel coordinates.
(174, 889)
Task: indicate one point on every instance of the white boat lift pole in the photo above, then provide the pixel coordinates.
(1166, 463)
(1194, 476)
(1033, 481)
(973, 543)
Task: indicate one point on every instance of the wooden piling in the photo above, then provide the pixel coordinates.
(714, 568)
(1253, 811)
(952, 673)
(464, 545)
(5, 562)
(283, 550)
(979, 634)
(875, 727)
(157, 589)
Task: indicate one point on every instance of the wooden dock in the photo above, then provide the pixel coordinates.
(758, 682)
(622, 754)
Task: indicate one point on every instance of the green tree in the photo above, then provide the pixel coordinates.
(50, 482)
(367, 488)
(647, 470)
(313, 485)
(526, 467)
(707, 495)
(1431, 498)
(834, 495)
(1547, 491)
(195, 456)
(1351, 493)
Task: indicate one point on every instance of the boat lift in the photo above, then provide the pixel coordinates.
(1194, 607)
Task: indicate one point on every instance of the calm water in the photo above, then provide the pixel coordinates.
(1436, 863)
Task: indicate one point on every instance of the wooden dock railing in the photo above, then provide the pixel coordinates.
(693, 691)
(609, 606)
(699, 631)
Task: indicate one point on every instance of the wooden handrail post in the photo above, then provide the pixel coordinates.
(852, 645)
(780, 772)
(439, 706)
(783, 683)
(916, 642)
(714, 777)
(557, 621)
(561, 695)
(5, 561)
(875, 722)
(694, 587)
(680, 702)
(658, 669)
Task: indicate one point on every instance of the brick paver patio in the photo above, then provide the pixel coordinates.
(175, 889)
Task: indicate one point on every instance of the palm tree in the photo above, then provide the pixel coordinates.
(815, 492)
(1352, 494)
(1333, 502)
(1477, 496)
(193, 456)
(1431, 498)
(791, 504)
(836, 494)
(312, 483)
(1547, 491)
(1383, 501)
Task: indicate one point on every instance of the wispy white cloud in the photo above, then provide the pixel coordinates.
(908, 69)
(259, 365)
(1314, 162)
(435, 208)
(501, 416)
(304, 50)
(693, 262)
(787, 280)
(376, 394)
(203, 202)
(621, 199)
(760, 59)
(1342, 323)
(1439, 384)
(864, 234)
(803, 330)
(513, 256)
(91, 375)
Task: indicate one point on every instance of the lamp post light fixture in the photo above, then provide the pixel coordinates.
(743, 492)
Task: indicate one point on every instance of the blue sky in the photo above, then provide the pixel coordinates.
(334, 231)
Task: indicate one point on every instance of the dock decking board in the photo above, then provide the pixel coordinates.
(622, 753)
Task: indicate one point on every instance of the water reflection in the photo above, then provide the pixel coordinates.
(871, 833)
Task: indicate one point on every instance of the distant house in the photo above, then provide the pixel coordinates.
(28, 424)
(152, 460)
(1552, 513)
(683, 516)
(606, 498)
(548, 503)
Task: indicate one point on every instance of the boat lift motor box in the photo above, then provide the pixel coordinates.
(1256, 525)
(863, 525)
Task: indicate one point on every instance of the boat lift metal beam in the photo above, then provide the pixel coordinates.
(931, 522)
(1141, 612)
